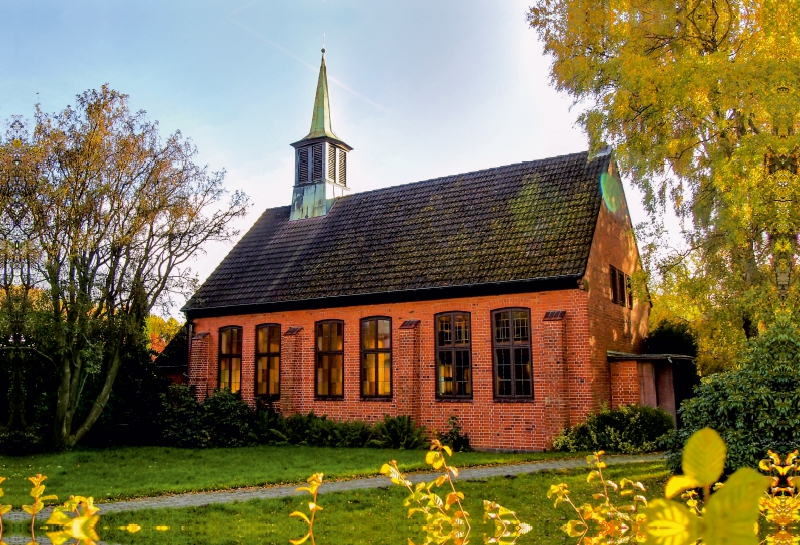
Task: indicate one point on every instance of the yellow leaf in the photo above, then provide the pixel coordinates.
(431, 457)
(679, 483)
(670, 523)
(301, 540)
(732, 512)
(704, 457)
(4, 509)
(447, 450)
(571, 528)
(300, 514)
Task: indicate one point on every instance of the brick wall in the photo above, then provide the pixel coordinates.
(624, 383)
(610, 326)
(558, 350)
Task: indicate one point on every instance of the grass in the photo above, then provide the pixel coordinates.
(122, 473)
(369, 516)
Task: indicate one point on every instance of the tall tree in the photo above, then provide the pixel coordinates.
(112, 215)
(700, 100)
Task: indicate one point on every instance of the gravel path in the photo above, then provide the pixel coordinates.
(199, 499)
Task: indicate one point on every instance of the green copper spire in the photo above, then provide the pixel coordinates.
(321, 122)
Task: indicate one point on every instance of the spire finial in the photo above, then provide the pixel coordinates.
(323, 43)
(321, 121)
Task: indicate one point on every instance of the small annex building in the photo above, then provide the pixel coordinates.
(501, 297)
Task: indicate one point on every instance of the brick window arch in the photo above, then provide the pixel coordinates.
(230, 358)
(329, 356)
(376, 357)
(268, 360)
(511, 353)
(453, 355)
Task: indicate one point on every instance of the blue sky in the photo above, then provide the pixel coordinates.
(420, 89)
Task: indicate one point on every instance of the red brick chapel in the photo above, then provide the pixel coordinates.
(500, 296)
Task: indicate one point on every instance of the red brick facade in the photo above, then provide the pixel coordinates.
(572, 376)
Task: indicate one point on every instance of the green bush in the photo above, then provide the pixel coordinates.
(182, 422)
(754, 408)
(398, 432)
(228, 420)
(453, 438)
(631, 429)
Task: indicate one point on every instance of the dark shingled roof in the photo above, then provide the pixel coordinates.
(527, 221)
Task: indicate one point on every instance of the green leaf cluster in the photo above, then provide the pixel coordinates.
(754, 408)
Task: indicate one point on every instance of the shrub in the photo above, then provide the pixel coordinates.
(630, 429)
(754, 408)
(399, 432)
(182, 419)
(453, 438)
(228, 420)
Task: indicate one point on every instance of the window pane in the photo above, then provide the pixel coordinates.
(274, 338)
(614, 286)
(274, 375)
(261, 376)
(384, 374)
(621, 288)
(502, 328)
(463, 374)
(522, 372)
(368, 334)
(384, 334)
(337, 336)
(236, 374)
(368, 375)
(323, 373)
(461, 329)
(324, 336)
(521, 325)
(224, 373)
(445, 365)
(225, 341)
(503, 370)
(445, 332)
(336, 374)
(261, 339)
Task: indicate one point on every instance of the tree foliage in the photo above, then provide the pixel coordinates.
(108, 215)
(700, 100)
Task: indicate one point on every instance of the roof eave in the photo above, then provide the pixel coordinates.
(550, 283)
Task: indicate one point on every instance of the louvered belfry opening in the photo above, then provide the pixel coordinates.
(342, 167)
(316, 173)
(302, 165)
(331, 162)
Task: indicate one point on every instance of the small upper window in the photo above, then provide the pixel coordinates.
(329, 350)
(621, 292)
(376, 357)
(453, 355)
(511, 343)
(268, 360)
(230, 358)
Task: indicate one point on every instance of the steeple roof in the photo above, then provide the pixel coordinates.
(321, 122)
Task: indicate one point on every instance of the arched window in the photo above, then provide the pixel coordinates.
(329, 349)
(376, 357)
(511, 348)
(230, 358)
(268, 360)
(453, 355)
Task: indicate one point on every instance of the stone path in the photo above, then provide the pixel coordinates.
(200, 499)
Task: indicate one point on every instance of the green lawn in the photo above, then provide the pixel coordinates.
(147, 471)
(368, 516)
